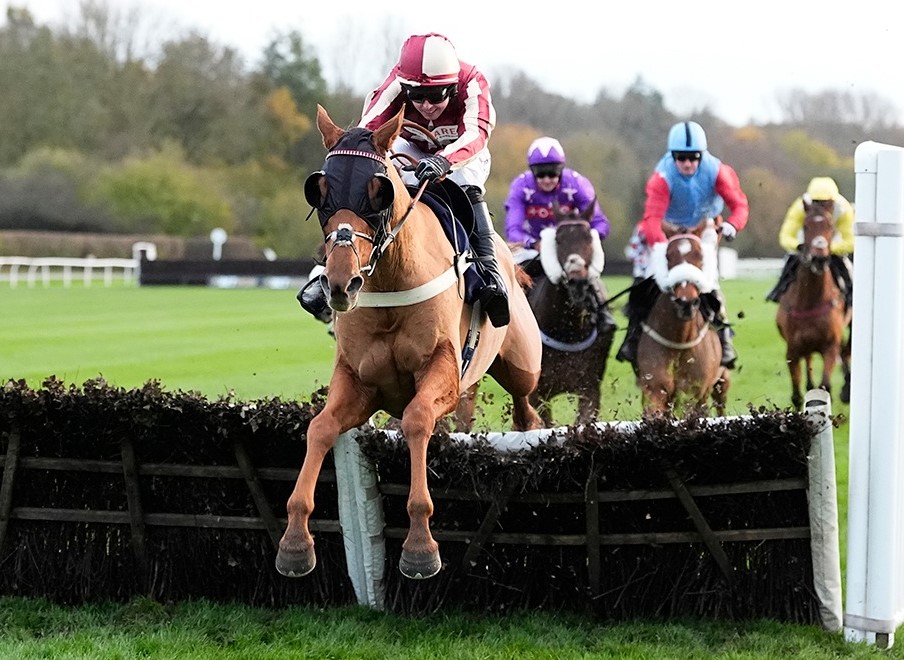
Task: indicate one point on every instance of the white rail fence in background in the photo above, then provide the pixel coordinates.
(45, 270)
(874, 599)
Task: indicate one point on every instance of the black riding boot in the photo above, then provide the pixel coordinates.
(628, 350)
(640, 301)
(789, 270)
(715, 304)
(729, 355)
(494, 295)
(842, 274)
(312, 299)
(605, 321)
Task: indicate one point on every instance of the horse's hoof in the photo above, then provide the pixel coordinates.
(845, 394)
(295, 564)
(420, 566)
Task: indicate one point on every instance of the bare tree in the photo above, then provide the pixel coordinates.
(869, 110)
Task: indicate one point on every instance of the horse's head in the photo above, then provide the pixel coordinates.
(684, 260)
(684, 264)
(572, 255)
(355, 195)
(819, 228)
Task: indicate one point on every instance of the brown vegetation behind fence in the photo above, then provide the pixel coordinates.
(108, 494)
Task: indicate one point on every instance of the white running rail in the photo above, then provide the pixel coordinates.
(45, 270)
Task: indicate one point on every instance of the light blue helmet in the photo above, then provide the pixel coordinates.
(687, 136)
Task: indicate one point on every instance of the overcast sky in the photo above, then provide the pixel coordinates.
(734, 57)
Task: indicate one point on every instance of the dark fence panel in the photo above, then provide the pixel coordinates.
(199, 271)
(108, 494)
(667, 520)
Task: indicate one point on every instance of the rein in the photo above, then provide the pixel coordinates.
(391, 234)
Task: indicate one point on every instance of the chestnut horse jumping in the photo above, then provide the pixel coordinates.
(811, 315)
(679, 354)
(401, 324)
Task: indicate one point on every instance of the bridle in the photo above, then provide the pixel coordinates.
(384, 234)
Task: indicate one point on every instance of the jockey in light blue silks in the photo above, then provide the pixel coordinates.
(688, 185)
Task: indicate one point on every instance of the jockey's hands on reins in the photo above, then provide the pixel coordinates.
(728, 231)
(431, 168)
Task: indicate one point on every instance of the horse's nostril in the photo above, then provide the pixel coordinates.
(354, 285)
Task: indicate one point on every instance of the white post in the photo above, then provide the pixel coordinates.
(361, 519)
(822, 498)
(874, 604)
(218, 238)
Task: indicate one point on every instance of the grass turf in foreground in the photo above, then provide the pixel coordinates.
(200, 630)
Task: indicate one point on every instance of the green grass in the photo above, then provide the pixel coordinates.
(202, 631)
(256, 343)
(253, 343)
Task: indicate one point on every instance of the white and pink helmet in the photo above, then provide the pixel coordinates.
(428, 60)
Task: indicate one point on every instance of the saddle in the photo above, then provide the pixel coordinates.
(453, 209)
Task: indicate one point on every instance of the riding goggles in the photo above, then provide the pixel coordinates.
(546, 172)
(434, 95)
(686, 155)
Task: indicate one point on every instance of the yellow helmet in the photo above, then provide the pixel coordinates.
(822, 187)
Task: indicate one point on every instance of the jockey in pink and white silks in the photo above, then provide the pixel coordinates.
(688, 185)
(450, 99)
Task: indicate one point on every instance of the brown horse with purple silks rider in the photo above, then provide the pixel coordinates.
(401, 326)
(570, 303)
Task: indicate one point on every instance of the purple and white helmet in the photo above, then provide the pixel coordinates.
(545, 150)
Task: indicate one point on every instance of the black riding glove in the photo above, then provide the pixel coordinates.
(431, 168)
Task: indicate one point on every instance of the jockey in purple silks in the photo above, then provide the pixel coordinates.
(529, 207)
(533, 194)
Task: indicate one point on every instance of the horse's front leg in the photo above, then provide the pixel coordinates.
(464, 411)
(720, 391)
(657, 398)
(437, 395)
(345, 408)
(830, 358)
(808, 361)
(797, 400)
